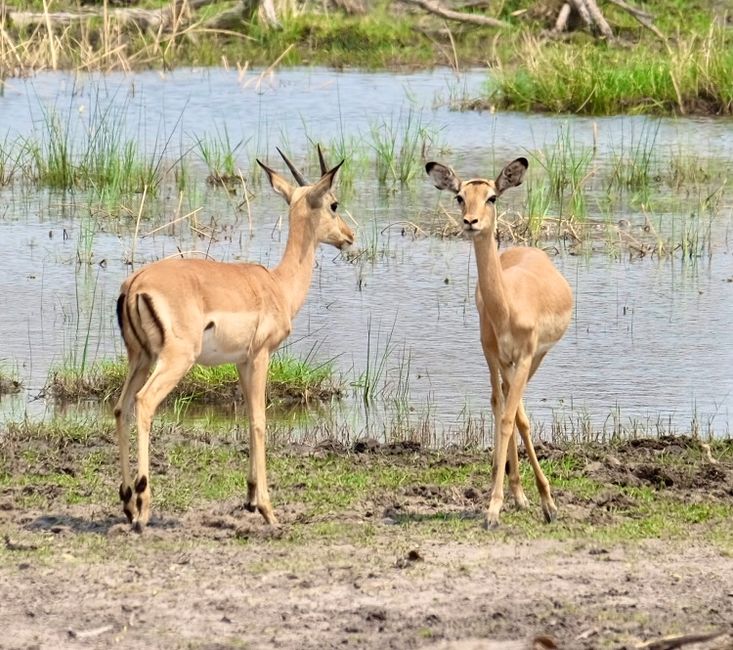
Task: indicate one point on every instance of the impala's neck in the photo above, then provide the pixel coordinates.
(296, 266)
(491, 280)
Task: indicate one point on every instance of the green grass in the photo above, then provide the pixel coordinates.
(290, 381)
(340, 495)
(9, 380)
(695, 75)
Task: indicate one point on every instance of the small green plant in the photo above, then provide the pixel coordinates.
(219, 155)
(400, 147)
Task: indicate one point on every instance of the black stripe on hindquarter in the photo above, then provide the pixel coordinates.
(156, 319)
(122, 317)
(121, 313)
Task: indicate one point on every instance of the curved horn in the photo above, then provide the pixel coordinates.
(322, 160)
(296, 174)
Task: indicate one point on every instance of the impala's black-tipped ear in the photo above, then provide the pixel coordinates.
(512, 175)
(279, 184)
(444, 178)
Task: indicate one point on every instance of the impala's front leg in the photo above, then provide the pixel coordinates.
(253, 380)
(517, 381)
(498, 400)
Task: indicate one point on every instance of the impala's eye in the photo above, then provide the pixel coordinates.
(491, 199)
(459, 198)
(334, 206)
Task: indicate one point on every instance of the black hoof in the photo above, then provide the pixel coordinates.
(249, 507)
(491, 525)
(550, 515)
(138, 527)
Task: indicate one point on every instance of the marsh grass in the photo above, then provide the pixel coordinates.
(90, 154)
(9, 380)
(693, 76)
(567, 169)
(634, 165)
(220, 156)
(400, 147)
(290, 381)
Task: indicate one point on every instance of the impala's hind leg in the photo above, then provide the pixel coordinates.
(549, 509)
(172, 365)
(138, 368)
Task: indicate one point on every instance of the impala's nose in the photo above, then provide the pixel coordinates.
(469, 223)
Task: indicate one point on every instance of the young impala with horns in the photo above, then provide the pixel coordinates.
(524, 307)
(178, 312)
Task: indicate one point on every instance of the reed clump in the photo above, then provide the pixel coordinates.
(695, 75)
(290, 381)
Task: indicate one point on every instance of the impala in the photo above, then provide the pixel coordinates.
(524, 307)
(178, 312)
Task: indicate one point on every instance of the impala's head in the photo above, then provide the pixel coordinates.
(477, 197)
(315, 203)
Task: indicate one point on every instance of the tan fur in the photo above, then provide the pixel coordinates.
(178, 312)
(524, 307)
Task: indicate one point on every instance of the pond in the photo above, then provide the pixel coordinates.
(649, 348)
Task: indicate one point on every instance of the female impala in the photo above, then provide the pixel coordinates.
(524, 307)
(178, 312)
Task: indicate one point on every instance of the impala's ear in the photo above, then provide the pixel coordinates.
(512, 175)
(444, 178)
(279, 184)
(322, 187)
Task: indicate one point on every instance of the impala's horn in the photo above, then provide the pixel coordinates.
(322, 160)
(296, 174)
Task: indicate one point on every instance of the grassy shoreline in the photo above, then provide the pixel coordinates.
(625, 490)
(688, 71)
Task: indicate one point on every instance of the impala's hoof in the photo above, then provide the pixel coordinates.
(138, 527)
(550, 513)
(491, 524)
(250, 507)
(268, 515)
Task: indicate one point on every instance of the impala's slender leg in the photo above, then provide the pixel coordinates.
(543, 485)
(253, 380)
(170, 368)
(498, 400)
(139, 367)
(517, 380)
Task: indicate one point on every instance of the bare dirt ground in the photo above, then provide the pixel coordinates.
(215, 577)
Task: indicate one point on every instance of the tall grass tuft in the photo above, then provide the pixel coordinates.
(696, 75)
(567, 168)
(633, 164)
(400, 147)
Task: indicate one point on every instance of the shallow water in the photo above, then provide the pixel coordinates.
(649, 345)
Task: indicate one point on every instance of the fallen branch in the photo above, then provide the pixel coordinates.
(672, 642)
(439, 10)
(642, 17)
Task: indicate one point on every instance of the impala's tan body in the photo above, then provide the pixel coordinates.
(524, 307)
(178, 312)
